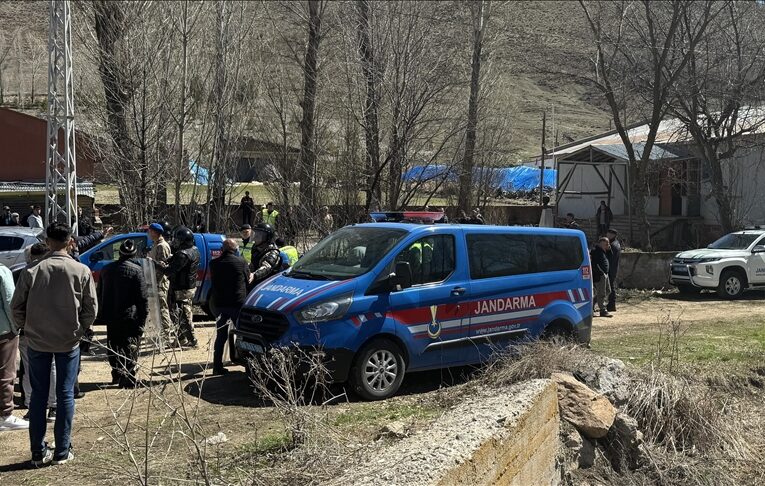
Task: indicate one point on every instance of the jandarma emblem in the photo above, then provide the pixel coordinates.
(434, 328)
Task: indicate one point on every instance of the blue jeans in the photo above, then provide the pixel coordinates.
(221, 333)
(39, 374)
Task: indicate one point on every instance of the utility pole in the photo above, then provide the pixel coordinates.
(61, 172)
(542, 165)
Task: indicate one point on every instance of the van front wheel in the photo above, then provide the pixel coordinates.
(378, 370)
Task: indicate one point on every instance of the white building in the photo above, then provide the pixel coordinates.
(680, 203)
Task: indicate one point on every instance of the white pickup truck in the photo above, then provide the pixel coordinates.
(730, 265)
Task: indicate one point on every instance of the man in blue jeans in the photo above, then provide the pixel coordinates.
(55, 304)
(229, 275)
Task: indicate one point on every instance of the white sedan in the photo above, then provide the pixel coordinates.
(14, 240)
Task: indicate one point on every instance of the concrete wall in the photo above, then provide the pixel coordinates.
(507, 437)
(641, 270)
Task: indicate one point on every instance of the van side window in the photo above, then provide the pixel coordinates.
(499, 255)
(554, 253)
(502, 255)
(431, 258)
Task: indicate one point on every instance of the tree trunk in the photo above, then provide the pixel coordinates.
(371, 129)
(721, 193)
(480, 17)
(308, 122)
(182, 159)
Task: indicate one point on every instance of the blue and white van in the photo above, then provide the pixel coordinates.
(382, 299)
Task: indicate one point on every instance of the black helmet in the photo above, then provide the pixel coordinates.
(267, 230)
(183, 237)
(168, 230)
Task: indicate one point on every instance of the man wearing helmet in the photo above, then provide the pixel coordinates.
(182, 272)
(266, 258)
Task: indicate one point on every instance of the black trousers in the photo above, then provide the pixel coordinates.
(123, 357)
(612, 295)
(246, 217)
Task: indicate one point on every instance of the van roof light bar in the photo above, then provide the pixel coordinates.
(420, 217)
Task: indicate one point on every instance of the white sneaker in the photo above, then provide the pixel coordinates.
(69, 457)
(11, 422)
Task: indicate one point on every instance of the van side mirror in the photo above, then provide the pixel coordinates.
(96, 257)
(402, 276)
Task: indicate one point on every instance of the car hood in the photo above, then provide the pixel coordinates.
(284, 294)
(711, 253)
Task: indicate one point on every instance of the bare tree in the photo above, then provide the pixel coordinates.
(637, 46)
(480, 15)
(718, 97)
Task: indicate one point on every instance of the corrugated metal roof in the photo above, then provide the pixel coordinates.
(619, 151)
(83, 188)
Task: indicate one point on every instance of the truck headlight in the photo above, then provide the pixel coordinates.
(709, 260)
(710, 269)
(326, 310)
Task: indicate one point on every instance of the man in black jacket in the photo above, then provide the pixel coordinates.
(230, 275)
(181, 269)
(613, 265)
(266, 257)
(124, 306)
(599, 261)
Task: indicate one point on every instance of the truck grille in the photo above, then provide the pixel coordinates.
(270, 325)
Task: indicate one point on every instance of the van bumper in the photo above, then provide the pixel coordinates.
(583, 330)
(337, 361)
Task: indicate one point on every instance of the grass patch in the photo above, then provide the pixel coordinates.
(272, 442)
(734, 343)
(382, 413)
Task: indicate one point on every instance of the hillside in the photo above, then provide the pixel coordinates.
(531, 44)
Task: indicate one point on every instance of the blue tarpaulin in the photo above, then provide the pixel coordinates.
(510, 179)
(198, 173)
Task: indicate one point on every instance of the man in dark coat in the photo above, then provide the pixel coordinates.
(603, 218)
(599, 262)
(124, 306)
(230, 275)
(613, 265)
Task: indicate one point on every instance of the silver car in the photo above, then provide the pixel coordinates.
(14, 240)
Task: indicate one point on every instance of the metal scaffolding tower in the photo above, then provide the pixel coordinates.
(61, 174)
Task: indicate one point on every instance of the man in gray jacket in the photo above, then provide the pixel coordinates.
(55, 304)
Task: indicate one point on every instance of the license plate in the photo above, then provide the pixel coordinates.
(679, 269)
(251, 347)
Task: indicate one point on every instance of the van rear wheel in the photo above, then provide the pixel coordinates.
(378, 370)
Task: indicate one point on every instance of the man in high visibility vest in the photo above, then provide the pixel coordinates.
(288, 250)
(420, 256)
(269, 215)
(245, 249)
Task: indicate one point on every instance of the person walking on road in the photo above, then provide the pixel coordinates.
(124, 306)
(599, 260)
(613, 266)
(9, 345)
(53, 332)
(230, 275)
(34, 220)
(160, 254)
(182, 272)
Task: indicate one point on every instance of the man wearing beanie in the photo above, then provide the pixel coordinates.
(53, 332)
(160, 253)
(123, 307)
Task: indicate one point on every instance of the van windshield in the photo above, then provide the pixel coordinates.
(346, 253)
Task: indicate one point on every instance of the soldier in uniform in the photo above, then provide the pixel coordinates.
(160, 253)
(182, 272)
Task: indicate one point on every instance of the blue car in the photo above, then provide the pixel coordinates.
(209, 246)
(382, 299)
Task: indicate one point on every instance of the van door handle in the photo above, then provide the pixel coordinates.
(458, 291)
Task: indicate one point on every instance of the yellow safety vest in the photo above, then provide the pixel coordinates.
(292, 254)
(270, 218)
(246, 251)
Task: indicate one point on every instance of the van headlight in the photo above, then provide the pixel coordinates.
(326, 310)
